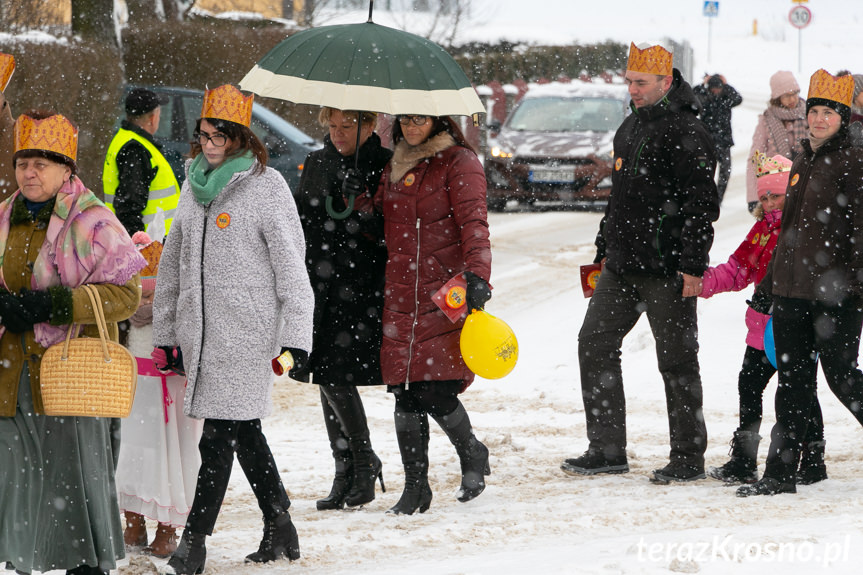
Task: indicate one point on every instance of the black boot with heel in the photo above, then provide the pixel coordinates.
(412, 432)
(190, 556)
(472, 454)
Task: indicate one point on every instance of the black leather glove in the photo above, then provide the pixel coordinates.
(353, 183)
(478, 291)
(761, 302)
(300, 357)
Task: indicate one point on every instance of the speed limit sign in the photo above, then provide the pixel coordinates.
(800, 16)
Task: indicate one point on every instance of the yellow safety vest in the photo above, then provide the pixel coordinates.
(164, 189)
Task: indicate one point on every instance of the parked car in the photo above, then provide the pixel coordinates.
(556, 145)
(287, 145)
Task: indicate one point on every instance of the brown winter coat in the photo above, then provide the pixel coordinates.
(435, 225)
(118, 301)
(819, 255)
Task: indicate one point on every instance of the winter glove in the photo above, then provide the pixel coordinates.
(168, 360)
(13, 315)
(38, 304)
(761, 302)
(300, 357)
(353, 183)
(478, 291)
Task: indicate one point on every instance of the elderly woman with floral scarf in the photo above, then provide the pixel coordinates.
(58, 504)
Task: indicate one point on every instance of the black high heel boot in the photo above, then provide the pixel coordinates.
(367, 469)
(412, 432)
(280, 540)
(344, 477)
(190, 556)
(472, 454)
(342, 483)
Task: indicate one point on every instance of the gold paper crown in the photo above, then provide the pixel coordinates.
(826, 86)
(7, 66)
(53, 134)
(650, 60)
(228, 103)
(151, 252)
(764, 165)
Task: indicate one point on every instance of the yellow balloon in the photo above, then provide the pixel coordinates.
(488, 345)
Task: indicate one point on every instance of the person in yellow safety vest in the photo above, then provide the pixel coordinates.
(137, 180)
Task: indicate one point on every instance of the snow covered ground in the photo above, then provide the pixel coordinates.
(532, 518)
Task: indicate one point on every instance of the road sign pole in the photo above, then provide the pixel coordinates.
(800, 50)
(709, 39)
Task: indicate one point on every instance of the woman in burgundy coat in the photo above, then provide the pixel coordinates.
(435, 227)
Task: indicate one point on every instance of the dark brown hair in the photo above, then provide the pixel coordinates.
(242, 139)
(441, 124)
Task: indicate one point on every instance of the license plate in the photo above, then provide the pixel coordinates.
(552, 176)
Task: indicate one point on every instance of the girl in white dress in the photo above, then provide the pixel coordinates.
(159, 458)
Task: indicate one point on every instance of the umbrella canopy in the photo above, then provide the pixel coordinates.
(365, 67)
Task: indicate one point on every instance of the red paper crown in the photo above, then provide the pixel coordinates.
(52, 134)
(650, 60)
(228, 103)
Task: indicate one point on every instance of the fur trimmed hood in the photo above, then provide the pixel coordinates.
(406, 156)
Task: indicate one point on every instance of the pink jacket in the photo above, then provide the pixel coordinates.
(748, 264)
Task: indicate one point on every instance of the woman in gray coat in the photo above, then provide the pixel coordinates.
(232, 294)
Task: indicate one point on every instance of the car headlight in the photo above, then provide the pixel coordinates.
(498, 152)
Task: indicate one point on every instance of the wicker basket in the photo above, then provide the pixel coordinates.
(87, 376)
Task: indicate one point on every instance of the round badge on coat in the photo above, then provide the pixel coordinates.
(618, 163)
(410, 179)
(794, 179)
(223, 220)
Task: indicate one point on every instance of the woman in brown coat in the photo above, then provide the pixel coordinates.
(58, 501)
(435, 227)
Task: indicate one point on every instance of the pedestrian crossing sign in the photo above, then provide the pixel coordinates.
(711, 9)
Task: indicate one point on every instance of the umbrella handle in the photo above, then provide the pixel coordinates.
(340, 215)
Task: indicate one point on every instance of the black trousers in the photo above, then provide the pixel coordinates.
(754, 376)
(616, 305)
(219, 441)
(805, 333)
(438, 398)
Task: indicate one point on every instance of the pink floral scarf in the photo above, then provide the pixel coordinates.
(85, 243)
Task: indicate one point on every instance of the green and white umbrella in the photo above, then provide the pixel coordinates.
(365, 67)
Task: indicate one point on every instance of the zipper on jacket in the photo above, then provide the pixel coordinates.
(416, 309)
(201, 351)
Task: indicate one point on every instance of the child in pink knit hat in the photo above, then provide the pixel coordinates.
(748, 265)
(159, 459)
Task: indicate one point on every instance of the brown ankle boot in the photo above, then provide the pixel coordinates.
(165, 542)
(135, 535)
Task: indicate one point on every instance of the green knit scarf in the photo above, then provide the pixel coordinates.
(206, 184)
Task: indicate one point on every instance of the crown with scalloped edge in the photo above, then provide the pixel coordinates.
(52, 134)
(650, 60)
(228, 103)
(7, 66)
(764, 165)
(826, 86)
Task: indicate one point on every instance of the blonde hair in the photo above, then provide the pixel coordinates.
(326, 113)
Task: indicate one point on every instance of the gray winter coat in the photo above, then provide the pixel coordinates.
(232, 290)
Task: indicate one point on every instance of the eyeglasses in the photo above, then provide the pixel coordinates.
(417, 120)
(218, 140)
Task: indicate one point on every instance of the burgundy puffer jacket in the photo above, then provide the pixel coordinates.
(433, 201)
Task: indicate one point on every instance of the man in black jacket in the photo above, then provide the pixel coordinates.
(717, 97)
(654, 242)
